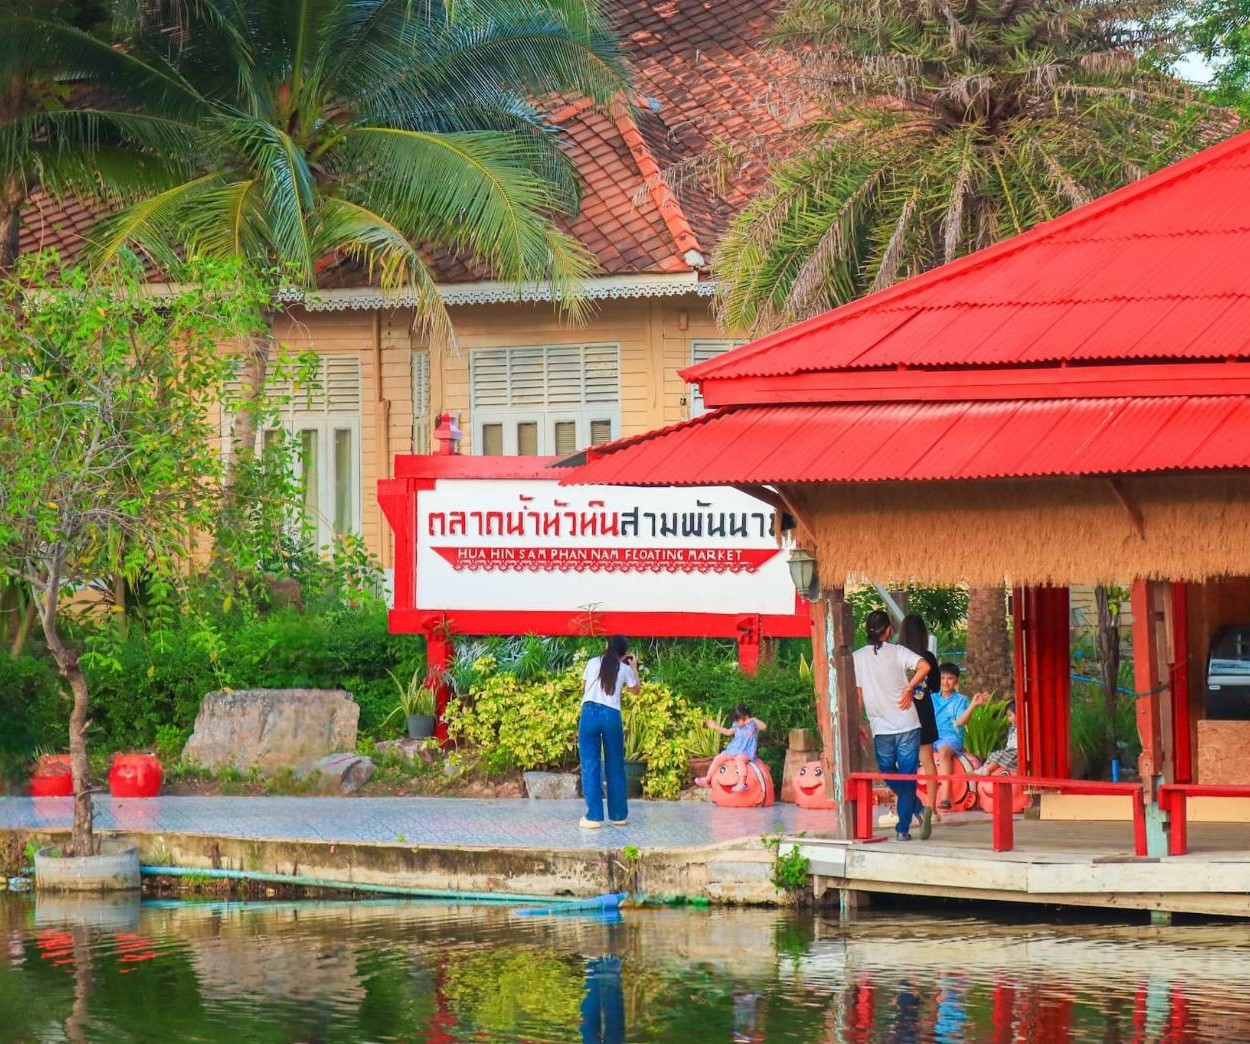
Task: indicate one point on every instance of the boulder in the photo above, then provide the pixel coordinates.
(347, 773)
(550, 786)
(270, 729)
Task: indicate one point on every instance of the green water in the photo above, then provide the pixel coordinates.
(91, 971)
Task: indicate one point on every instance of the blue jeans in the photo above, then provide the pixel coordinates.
(900, 752)
(601, 748)
(603, 1004)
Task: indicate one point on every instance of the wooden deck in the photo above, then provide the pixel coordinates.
(1055, 863)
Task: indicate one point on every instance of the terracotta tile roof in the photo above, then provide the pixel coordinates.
(704, 78)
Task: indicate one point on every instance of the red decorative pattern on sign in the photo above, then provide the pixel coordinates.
(608, 559)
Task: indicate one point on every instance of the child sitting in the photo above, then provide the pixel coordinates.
(951, 709)
(742, 746)
(1007, 757)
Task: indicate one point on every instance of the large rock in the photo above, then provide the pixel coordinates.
(347, 773)
(271, 729)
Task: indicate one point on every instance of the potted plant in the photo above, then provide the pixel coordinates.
(637, 735)
(703, 744)
(52, 776)
(416, 703)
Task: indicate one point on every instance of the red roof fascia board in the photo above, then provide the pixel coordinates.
(931, 441)
(1088, 381)
(1097, 282)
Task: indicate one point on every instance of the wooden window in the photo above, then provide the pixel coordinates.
(702, 351)
(422, 429)
(544, 399)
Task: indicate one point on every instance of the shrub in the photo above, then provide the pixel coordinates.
(33, 709)
(518, 724)
(532, 724)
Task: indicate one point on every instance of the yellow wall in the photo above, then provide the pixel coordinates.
(654, 335)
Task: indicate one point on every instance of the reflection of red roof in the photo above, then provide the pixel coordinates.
(963, 440)
(1159, 269)
(703, 79)
(1109, 341)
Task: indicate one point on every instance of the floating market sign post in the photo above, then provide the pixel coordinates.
(495, 545)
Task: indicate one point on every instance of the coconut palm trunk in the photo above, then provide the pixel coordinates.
(989, 661)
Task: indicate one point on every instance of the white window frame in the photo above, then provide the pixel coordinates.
(545, 413)
(316, 412)
(421, 427)
(701, 350)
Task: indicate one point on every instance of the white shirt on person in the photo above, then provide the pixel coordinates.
(883, 674)
(592, 690)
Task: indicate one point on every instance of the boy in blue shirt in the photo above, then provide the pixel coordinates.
(951, 710)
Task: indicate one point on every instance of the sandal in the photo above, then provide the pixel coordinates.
(944, 806)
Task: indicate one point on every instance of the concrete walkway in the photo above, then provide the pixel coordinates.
(468, 822)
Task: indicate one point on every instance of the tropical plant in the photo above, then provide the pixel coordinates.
(986, 730)
(77, 114)
(943, 127)
(636, 725)
(106, 444)
(704, 742)
(372, 133)
(413, 697)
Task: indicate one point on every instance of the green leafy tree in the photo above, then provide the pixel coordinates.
(376, 133)
(944, 126)
(1220, 31)
(106, 439)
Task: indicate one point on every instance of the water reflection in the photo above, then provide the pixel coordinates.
(74, 970)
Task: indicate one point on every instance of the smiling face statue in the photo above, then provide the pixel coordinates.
(809, 787)
(728, 776)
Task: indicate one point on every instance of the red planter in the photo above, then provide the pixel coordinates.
(52, 777)
(135, 775)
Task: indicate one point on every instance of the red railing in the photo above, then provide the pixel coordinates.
(1173, 798)
(859, 790)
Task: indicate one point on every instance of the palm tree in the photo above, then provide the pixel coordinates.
(77, 115)
(944, 126)
(373, 132)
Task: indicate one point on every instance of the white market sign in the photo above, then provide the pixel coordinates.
(533, 545)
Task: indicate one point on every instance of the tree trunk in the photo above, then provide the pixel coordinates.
(82, 840)
(251, 394)
(988, 661)
(1108, 637)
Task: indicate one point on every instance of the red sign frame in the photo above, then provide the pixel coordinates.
(417, 472)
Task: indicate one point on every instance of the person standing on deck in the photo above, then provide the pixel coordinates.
(886, 694)
(600, 733)
(914, 635)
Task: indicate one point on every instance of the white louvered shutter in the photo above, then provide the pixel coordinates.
(421, 402)
(702, 351)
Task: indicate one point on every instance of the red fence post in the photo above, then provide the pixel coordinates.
(1004, 837)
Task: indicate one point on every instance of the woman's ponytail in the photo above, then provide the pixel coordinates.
(610, 663)
(876, 627)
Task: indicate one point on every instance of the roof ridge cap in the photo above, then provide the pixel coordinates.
(897, 294)
(662, 196)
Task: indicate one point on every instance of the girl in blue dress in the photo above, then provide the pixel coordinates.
(742, 746)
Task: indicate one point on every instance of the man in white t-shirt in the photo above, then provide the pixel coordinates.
(881, 676)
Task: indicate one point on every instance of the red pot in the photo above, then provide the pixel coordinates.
(135, 775)
(52, 777)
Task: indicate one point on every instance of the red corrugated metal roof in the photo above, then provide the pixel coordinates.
(1158, 269)
(927, 441)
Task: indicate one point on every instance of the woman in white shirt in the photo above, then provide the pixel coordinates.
(600, 737)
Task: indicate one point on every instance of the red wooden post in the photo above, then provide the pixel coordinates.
(1178, 827)
(862, 797)
(749, 645)
(1139, 823)
(1149, 629)
(1004, 838)
(1043, 685)
(438, 660)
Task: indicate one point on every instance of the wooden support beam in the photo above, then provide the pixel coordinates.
(1153, 658)
(837, 705)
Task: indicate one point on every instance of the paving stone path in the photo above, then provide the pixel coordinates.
(419, 821)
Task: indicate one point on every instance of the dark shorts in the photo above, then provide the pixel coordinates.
(928, 722)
